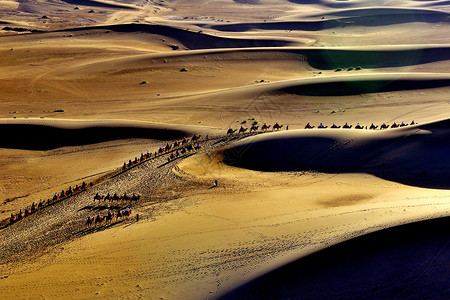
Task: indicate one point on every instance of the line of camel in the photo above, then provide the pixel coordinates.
(358, 126)
(265, 127)
(109, 218)
(183, 146)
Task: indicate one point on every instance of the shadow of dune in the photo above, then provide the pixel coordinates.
(93, 3)
(405, 262)
(358, 87)
(190, 39)
(366, 21)
(329, 59)
(45, 137)
(416, 156)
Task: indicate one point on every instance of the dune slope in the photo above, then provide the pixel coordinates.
(414, 155)
(409, 262)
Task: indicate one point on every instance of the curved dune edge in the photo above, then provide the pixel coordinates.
(190, 39)
(414, 155)
(368, 11)
(326, 58)
(400, 262)
(46, 134)
(339, 18)
(101, 4)
(342, 85)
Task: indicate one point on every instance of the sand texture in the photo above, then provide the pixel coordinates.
(89, 86)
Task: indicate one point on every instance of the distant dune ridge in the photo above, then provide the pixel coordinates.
(100, 4)
(191, 40)
(374, 19)
(414, 155)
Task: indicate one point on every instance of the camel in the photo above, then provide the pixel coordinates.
(277, 126)
(254, 128)
(242, 130)
(265, 127)
(231, 131)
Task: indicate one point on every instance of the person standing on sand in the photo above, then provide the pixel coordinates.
(287, 127)
(215, 183)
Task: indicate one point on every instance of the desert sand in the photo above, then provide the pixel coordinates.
(319, 213)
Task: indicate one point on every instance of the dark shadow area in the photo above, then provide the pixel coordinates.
(331, 59)
(43, 137)
(366, 21)
(358, 87)
(93, 3)
(419, 158)
(192, 40)
(405, 262)
(96, 228)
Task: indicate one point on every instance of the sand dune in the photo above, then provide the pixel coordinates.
(191, 40)
(378, 18)
(408, 261)
(342, 85)
(126, 77)
(414, 155)
(379, 10)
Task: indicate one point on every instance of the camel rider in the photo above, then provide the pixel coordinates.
(127, 210)
(109, 215)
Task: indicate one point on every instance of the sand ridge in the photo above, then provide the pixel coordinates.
(88, 85)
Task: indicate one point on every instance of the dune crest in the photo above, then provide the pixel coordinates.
(413, 155)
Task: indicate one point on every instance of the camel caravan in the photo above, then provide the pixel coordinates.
(109, 218)
(117, 198)
(358, 126)
(174, 150)
(264, 128)
(64, 194)
(254, 128)
(177, 149)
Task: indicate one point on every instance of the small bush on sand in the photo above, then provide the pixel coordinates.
(183, 70)
(338, 70)
(58, 110)
(350, 69)
(358, 68)
(143, 82)
(243, 122)
(254, 122)
(174, 47)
